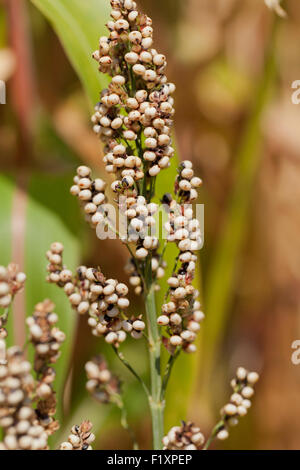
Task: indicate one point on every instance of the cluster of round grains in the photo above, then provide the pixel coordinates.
(11, 281)
(135, 280)
(182, 228)
(137, 106)
(186, 183)
(184, 437)
(140, 224)
(182, 315)
(91, 194)
(90, 292)
(240, 400)
(129, 168)
(141, 231)
(46, 339)
(44, 335)
(80, 438)
(101, 384)
(158, 266)
(158, 271)
(17, 416)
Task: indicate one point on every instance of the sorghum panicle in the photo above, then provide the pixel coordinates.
(80, 438)
(182, 315)
(135, 115)
(240, 400)
(103, 299)
(18, 419)
(188, 435)
(139, 87)
(91, 194)
(101, 384)
(46, 339)
(184, 437)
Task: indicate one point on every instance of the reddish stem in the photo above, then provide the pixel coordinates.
(22, 84)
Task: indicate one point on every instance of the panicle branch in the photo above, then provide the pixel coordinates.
(105, 300)
(18, 419)
(101, 384)
(188, 435)
(80, 437)
(46, 339)
(11, 282)
(185, 437)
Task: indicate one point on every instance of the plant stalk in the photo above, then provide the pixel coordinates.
(213, 435)
(155, 402)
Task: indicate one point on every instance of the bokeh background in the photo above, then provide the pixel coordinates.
(233, 63)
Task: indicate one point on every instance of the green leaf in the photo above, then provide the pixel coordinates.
(52, 215)
(79, 25)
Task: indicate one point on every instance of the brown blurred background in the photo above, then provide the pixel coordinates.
(233, 64)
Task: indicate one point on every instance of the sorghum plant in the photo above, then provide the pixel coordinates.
(134, 120)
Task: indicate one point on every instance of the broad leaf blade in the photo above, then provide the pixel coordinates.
(52, 215)
(79, 24)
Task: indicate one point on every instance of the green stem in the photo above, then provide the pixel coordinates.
(118, 401)
(167, 373)
(155, 402)
(213, 435)
(128, 366)
(4, 316)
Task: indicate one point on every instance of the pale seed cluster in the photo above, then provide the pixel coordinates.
(90, 292)
(101, 384)
(183, 229)
(140, 88)
(44, 335)
(138, 215)
(158, 271)
(11, 282)
(187, 183)
(91, 194)
(80, 437)
(140, 231)
(240, 400)
(185, 437)
(46, 339)
(22, 430)
(182, 315)
(141, 224)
